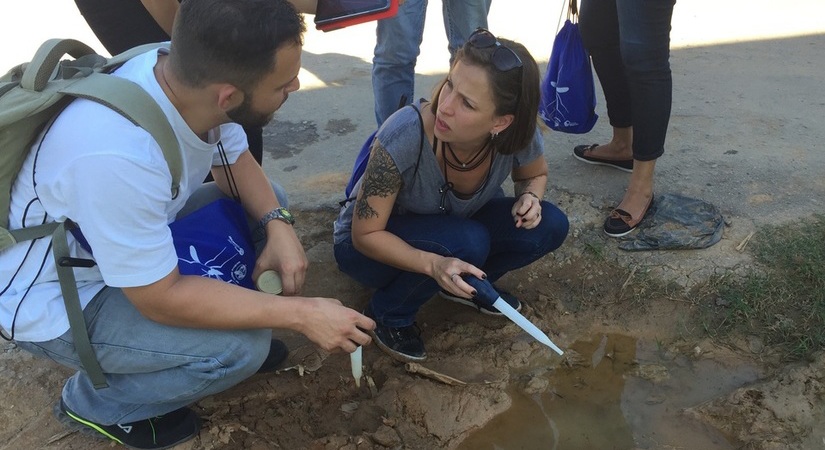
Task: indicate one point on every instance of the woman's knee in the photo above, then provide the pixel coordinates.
(646, 59)
(472, 244)
(554, 226)
(450, 236)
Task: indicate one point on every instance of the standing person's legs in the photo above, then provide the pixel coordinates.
(644, 29)
(120, 25)
(461, 18)
(398, 42)
(599, 27)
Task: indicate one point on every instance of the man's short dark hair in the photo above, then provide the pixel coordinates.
(231, 41)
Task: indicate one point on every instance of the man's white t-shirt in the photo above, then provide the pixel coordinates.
(110, 177)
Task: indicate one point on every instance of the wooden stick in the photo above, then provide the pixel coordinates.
(744, 243)
(429, 373)
(629, 277)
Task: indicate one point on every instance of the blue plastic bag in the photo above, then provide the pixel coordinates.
(568, 94)
(215, 242)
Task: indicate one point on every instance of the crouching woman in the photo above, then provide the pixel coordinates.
(430, 206)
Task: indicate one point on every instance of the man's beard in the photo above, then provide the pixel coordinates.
(247, 117)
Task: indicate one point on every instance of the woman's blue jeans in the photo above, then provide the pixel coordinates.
(489, 240)
(398, 42)
(629, 42)
(151, 368)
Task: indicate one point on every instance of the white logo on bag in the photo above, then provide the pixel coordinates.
(213, 269)
(238, 248)
(555, 107)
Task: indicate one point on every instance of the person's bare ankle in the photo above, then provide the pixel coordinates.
(636, 203)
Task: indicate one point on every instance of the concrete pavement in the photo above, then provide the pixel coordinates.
(745, 134)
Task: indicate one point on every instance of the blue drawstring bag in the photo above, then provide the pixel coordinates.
(568, 94)
(360, 166)
(363, 158)
(215, 242)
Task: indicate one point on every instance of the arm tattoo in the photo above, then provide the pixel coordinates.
(521, 185)
(381, 179)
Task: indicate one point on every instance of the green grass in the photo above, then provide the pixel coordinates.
(783, 301)
(596, 250)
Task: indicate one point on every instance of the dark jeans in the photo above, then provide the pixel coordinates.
(489, 240)
(629, 41)
(122, 24)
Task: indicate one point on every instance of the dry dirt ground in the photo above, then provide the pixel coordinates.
(744, 136)
(587, 287)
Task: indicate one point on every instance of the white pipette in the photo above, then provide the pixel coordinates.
(486, 293)
(357, 365)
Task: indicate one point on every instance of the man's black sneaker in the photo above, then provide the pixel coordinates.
(401, 343)
(508, 297)
(278, 352)
(156, 433)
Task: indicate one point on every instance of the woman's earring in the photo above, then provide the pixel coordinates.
(493, 135)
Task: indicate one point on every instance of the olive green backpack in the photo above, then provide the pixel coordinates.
(31, 95)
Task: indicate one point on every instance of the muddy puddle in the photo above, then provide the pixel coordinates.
(614, 392)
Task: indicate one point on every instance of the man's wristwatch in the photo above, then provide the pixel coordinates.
(281, 214)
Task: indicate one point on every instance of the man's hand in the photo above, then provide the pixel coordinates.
(334, 327)
(284, 254)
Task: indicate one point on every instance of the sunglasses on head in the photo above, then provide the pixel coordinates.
(503, 58)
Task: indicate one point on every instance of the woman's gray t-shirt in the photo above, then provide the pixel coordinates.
(420, 192)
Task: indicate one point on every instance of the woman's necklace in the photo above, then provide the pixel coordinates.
(448, 186)
(474, 161)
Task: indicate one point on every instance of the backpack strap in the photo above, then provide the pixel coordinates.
(77, 324)
(421, 141)
(118, 60)
(135, 104)
(121, 95)
(41, 68)
(12, 237)
(39, 71)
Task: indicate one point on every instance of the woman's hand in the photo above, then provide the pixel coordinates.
(447, 273)
(527, 210)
